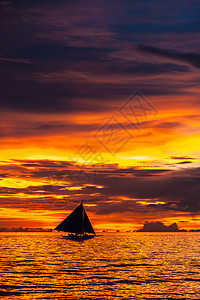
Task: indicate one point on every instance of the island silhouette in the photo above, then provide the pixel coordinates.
(159, 227)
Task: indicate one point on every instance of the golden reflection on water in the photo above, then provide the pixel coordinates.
(110, 266)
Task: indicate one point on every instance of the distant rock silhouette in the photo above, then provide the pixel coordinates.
(159, 227)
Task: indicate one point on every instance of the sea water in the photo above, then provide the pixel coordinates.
(110, 266)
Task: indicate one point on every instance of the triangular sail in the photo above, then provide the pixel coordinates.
(87, 225)
(76, 222)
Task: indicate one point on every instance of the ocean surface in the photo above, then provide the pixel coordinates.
(110, 266)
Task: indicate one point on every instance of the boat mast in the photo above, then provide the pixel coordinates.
(82, 215)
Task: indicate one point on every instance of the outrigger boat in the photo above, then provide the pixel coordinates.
(77, 224)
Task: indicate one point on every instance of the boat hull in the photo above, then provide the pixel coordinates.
(78, 237)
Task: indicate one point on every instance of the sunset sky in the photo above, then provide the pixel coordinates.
(100, 101)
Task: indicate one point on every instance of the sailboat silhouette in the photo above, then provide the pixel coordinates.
(77, 224)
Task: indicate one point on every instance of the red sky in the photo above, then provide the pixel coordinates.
(100, 102)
